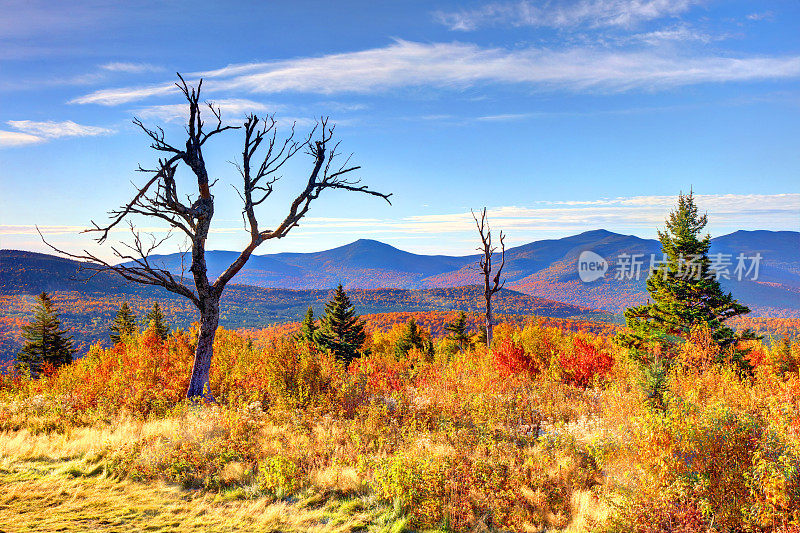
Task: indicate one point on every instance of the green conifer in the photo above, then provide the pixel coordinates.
(156, 317)
(412, 337)
(308, 328)
(46, 342)
(458, 330)
(684, 291)
(124, 323)
(341, 331)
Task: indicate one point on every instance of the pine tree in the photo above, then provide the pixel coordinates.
(156, 317)
(411, 337)
(684, 290)
(124, 323)
(46, 342)
(458, 330)
(341, 331)
(308, 328)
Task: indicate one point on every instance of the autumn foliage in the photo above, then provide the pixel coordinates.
(539, 432)
(584, 363)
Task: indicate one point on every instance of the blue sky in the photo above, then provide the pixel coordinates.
(560, 116)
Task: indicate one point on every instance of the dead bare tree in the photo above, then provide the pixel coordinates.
(263, 155)
(491, 284)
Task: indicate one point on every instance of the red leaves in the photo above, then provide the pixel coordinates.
(511, 359)
(384, 374)
(583, 363)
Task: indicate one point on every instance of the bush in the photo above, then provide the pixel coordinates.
(279, 477)
(196, 453)
(512, 360)
(584, 363)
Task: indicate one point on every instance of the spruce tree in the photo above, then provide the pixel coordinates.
(684, 291)
(124, 323)
(156, 317)
(341, 331)
(411, 337)
(458, 330)
(46, 342)
(308, 328)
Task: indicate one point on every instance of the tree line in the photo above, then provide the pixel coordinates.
(339, 330)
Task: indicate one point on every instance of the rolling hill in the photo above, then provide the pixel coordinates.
(88, 305)
(546, 269)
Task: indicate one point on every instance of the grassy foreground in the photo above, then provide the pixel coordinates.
(57, 482)
(550, 430)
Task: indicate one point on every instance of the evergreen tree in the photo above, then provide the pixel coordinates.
(684, 290)
(46, 342)
(458, 330)
(412, 337)
(124, 323)
(341, 331)
(156, 317)
(308, 328)
(480, 338)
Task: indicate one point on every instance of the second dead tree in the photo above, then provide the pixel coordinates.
(491, 283)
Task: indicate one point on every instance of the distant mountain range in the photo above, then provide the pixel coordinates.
(545, 269)
(88, 306)
(542, 278)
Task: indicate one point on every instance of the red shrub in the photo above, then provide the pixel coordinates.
(583, 363)
(385, 374)
(511, 359)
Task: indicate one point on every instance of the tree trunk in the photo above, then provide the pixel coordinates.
(199, 386)
(489, 321)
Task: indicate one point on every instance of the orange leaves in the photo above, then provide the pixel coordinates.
(511, 359)
(577, 358)
(384, 374)
(585, 362)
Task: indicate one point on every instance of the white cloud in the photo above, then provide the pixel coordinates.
(460, 65)
(125, 95)
(131, 68)
(766, 15)
(30, 229)
(56, 130)
(15, 138)
(637, 213)
(232, 109)
(679, 34)
(563, 14)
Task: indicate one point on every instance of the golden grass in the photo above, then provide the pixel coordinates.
(79, 442)
(56, 496)
(58, 483)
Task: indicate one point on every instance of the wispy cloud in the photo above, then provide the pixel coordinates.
(765, 15)
(15, 138)
(232, 108)
(30, 229)
(563, 14)
(680, 33)
(56, 130)
(460, 65)
(638, 213)
(453, 232)
(131, 68)
(125, 95)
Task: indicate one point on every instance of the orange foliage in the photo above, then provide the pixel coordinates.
(511, 359)
(584, 363)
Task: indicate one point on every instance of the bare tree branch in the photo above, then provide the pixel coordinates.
(264, 155)
(491, 284)
(142, 272)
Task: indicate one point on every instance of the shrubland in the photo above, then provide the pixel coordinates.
(549, 429)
